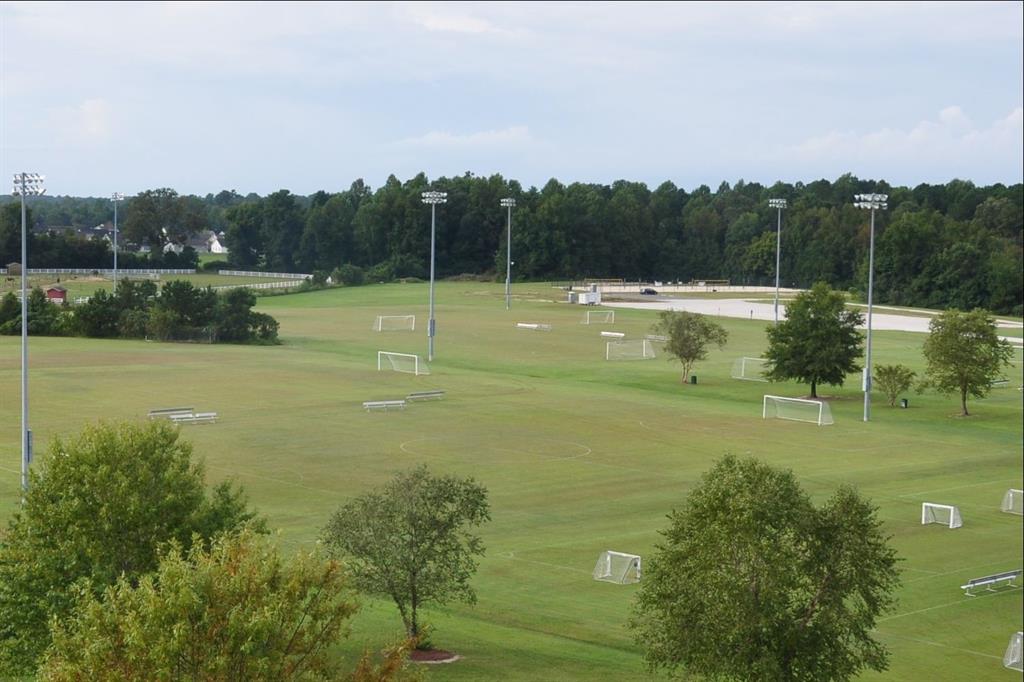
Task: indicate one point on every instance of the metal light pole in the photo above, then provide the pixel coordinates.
(509, 204)
(873, 202)
(778, 204)
(115, 197)
(432, 198)
(25, 184)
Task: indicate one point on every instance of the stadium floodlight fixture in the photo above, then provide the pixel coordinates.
(115, 197)
(25, 185)
(508, 203)
(778, 204)
(872, 202)
(433, 198)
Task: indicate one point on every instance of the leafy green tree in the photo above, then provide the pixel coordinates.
(238, 611)
(158, 217)
(964, 354)
(688, 336)
(818, 342)
(98, 508)
(752, 582)
(98, 317)
(412, 540)
(10, 308)
(893, 380)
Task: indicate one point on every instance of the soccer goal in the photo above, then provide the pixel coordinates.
(749, 369)
(1012, 502)
(639, 349)
(1012, 659)
(599, 317)
(616, 567)
(395, 323)
(401, 362)
(796, 409)
(945, 514)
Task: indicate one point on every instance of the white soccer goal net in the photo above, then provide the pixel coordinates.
(599, 317)
(394, 323)
(1013, 502)
(617, 567)
(943, 514)
(1012, 659)
(639, 349)
(796, 409)
(401, 362)
(749, 369)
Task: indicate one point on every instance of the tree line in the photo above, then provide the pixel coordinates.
(952, 245)
(181, 312)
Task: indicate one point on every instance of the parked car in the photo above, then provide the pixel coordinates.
(648, 292)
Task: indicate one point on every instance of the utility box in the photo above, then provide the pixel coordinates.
(589, 298)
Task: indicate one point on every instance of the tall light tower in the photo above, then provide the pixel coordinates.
(874, 202)
(25, 185)
(509, 204)
(115, 197)
(777, 204)
(432, 198)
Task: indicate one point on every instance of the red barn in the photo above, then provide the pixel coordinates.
(56, 294)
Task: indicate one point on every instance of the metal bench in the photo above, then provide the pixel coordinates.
(425, 395)
(168, 411)
(194, 418)
(989, 580)
(383, 404)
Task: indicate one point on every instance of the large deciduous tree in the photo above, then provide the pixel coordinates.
(158, 217)
(413, 540)
(753, 582)
(238, 611)
(689, 335)
(818, 342)
(98, 508)
(964, 354)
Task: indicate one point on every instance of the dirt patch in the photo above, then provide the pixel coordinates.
(433, 656)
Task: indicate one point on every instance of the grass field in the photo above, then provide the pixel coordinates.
(579, 455)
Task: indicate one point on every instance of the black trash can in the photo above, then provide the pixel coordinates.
(904, 403)
(693, 378)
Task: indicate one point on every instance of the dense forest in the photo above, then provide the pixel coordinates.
(952, 245)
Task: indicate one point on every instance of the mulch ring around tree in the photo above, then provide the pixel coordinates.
(433, 656)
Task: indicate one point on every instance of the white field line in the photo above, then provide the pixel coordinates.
(960, 602)
(955, 487)
(513, 557)
(956, 570)
(939, 644)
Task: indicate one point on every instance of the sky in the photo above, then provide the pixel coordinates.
(258, 97)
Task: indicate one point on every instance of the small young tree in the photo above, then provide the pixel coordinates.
(964, 354)
(237, 611)
(688, 336)
(818, 342)
(411, 540)
(893, 380)
(97, 509)
(752, 582)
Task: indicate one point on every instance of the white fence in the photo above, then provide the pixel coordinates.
(274, 275)
(108, 272)
(262, 285)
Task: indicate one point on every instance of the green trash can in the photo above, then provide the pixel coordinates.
(693, 378)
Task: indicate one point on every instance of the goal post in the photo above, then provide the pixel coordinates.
(617, 567)
(638, 349)
(1013, 502)
(401, 362)
(1014, 656)
(599, 317)
(943, 514)
(749, 369)
(394, 323)
(796, 409)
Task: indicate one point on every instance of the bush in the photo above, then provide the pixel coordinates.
(349, 275)
(381, 272)
(215, 266)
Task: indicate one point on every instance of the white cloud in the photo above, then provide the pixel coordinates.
(508, 137)
(86, 123)
(949, 142)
